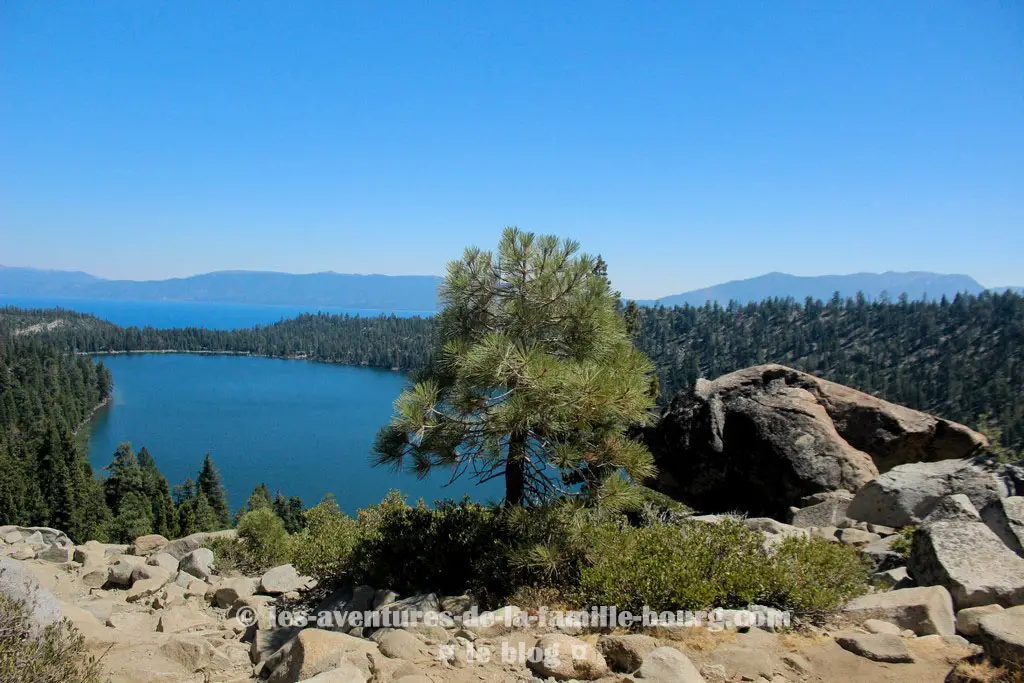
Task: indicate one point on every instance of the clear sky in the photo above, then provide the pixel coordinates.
(688, 142)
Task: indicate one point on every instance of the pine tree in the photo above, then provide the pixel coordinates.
(537, 378)
(209, 486)
(290, 511)
(165, 517)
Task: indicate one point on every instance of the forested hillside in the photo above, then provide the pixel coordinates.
(958, 359)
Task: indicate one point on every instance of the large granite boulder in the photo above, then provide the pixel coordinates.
(925, 610)
(19, 585)
(908, 493)
(1002, 636)
(1006, 518)
(763, 438)
(970, 561)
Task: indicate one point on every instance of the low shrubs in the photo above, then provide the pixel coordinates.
(815, 576)
(324, 547)
(58, 656)
(262, 539)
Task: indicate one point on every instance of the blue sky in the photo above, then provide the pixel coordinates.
(688, 142)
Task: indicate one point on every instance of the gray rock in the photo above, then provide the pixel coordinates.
(669, 665)
(230, 590)
(967, 619)
(164, 560)
(893, 578)
(347, 672)
(1006, 518)
(198, 563)
(399, 644)
(120, 573)
(857, 537)
(906, 494)
(283, 579)
(768, 436)
(17, 583)
(1002, 636)
(627, 652)
(383, 597)
(970, 561)
(96, 578)
(181, 547)
(56, 553)
(878, 647)
(924, 610)
(144, 545)
(829, 512)
(141, 572)
(565, 657)
(881, 555)
(883, 627)
(955, 508)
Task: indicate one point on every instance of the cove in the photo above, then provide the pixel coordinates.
(304, 428)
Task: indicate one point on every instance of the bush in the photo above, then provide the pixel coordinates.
(690, 566)
(59, 656)
(263, 540)
(814, 576)
(229, 555)
(904, 541)
(323, 549)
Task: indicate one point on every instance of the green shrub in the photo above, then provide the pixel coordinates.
(229, 555)
(815, 576)
(413, 548)
(324, 547)
(904, 541)
(690, 566)
(263, 539)
(59, 656)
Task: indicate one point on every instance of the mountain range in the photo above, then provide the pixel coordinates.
(419, 292)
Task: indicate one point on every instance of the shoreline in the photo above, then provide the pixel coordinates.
(92, 413)
(248, 354)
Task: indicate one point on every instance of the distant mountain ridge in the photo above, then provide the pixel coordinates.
(916, 285)
(419, 292)
(339, 290)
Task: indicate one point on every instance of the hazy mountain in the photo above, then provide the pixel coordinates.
(917, 285)
(382, 292)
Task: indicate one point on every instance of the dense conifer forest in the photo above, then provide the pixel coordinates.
(962, 359)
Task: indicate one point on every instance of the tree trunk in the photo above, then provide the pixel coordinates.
(515, 479)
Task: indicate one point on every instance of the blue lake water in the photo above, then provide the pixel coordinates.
(214, 316)
(304, 428)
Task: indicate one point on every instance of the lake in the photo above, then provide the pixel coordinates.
(213, 316)
(302, 427)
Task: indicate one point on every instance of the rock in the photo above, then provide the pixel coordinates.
(857, 538)
(626, 653)
(260, 606)
(924, 610)
(198, 563)
(170, 595)
(12, 537)
(120, 573)
(769, 436)
(181, 547)
(967, 619)
(143, 572)
(183, 619)
(954, 508)
(279, 580)
(1002, 636)
(893, 578)
(564, 658)
(265, 642)
(457, 605)
(970, 561)
(382, 597)
(164, 560)
(132, 622)
(880, 553)
(345, 673)
(775, 530)
(883, 627)
(313, 651)
(399, 644)
(1006, 518)
(906, 494)
(24, 553)
(496, 622)
(668, 665)
(145, 588)
(230, 590)
(144, 545)
(55, 553)
(877, 647)
(96, 578)
(19, 584)
(829, 512)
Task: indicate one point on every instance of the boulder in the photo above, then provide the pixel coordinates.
(144, 545)
(164, 560)
(382, 597)
(399, 644)
(924, 610)
(1002, 636)
(142, 572)
(967, 619)
(563, 658)
(56, 553)
(1006, 518)
(906, 494)
(881, 555)
(182, 619)
(878, 647)
(266, 641)
(858, 538)
(829, 512)
(883, 627)
(955, 508)
(230, 590)
(120, 572)
(345, 673)
(627, 652)
(668, 665)
(132, 622)
(19, 584)
(970, 561)
(313, 651)
(283, 579)
(95, 578)
(146, 588)
(768, 436)
(893, 578)
(496, 622)
(198, 562)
